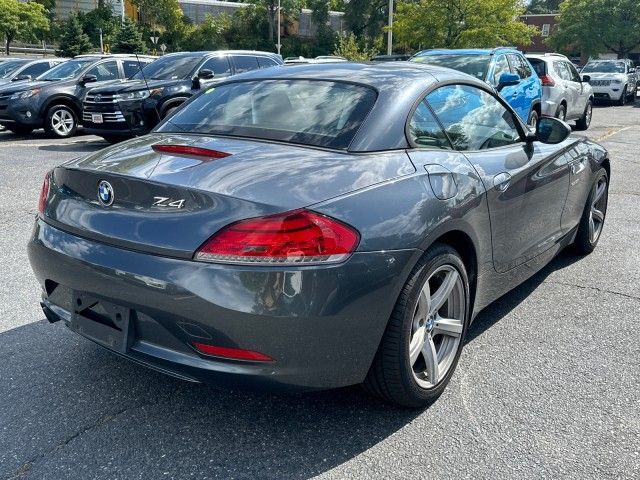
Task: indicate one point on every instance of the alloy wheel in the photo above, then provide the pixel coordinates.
(437, 326)
(588, 114)
(62, 122)
(598, 210)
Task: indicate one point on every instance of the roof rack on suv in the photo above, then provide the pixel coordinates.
(114, 55)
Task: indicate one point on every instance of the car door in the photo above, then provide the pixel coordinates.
(528, 90)
(219, 65)
(526, 182)
(509, 93)
(580, 89)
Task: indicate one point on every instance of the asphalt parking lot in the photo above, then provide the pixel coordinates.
(548, 385)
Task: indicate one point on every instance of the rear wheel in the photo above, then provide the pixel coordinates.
(61, 121)
(562, 113)
(170, 111)
(583, 122)
(422, 343)
(593, 216)
(532, 121)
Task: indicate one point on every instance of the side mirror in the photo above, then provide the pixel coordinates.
(508, 79)
(88, 79)
(205, 74)
(586, 78)
(551, 130)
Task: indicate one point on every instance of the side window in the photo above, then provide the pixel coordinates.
(266, 62)
(105, 71)
(244, 63)
(218, 65)
(36, 69)
(501, 66)
(473, 119)
(520, 65)
(424, 129)
(562, 70)
(573, 72)
(131, 67)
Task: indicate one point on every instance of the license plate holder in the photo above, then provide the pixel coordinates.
(97, 118)
(105, 323)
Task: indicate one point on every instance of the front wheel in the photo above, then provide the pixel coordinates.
(532, 121)
(583, 122)
(623, 98)
(593, 216)
(61, 121)
(423, 340)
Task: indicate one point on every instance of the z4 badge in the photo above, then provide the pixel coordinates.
(166, 202)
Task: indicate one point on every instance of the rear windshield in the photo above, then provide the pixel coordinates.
(67, 70)
(474, 65)
(308, 112)
(539, 66)
(169, 68)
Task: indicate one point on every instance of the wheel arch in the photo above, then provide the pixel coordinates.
(62, 100)
(170, 103)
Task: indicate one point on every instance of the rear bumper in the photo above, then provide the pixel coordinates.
(321, 325)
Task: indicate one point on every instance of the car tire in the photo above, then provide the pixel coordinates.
(400, 372)
(593, 217)
(532, 121)
(583, 122)
(562, 112)
(20, 130)
(623, 98)
(170, 111)
(61, 121)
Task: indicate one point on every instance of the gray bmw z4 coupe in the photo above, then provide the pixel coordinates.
(314, 227)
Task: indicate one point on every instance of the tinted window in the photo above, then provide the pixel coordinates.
(475, 65)
(67, 70)
(539, 66)
(573, 72)
(320, 113)
(105, 71)
(36, 69)
(562, 70)
(265, 62)
(8, 68)
(425, 131)
(245, 63)
(501, 66)
(519, 65)
(473, 118)
(131, 67)
(218, 65)
(170, 67)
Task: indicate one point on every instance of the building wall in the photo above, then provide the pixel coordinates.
(546, 23)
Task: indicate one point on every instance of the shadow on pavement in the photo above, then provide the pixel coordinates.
(79, 146)
(70, 409)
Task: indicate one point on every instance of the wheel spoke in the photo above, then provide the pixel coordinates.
(597, 215)
(592, 228)
(431, 360)
(416, 345)
(444, 291)
(422, 309)
(448, 326)
(599, 192)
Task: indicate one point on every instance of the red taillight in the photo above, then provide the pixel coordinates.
(234, 353)
(44, 193)
(190, 151)
(296, 237)
(547, 81)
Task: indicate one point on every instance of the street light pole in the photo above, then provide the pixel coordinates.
(389, 32)
(278, 28)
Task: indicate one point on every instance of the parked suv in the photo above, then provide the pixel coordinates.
(25, 69)
(564, 93)
(613, 80)
(505, 68)
(53, 100)
(132, 108)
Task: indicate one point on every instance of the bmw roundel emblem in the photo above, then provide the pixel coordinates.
(105, 193)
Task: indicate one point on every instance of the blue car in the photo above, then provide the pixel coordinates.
(506, 69)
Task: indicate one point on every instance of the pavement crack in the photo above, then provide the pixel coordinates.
(597, 289)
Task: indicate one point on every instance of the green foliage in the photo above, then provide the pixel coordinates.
(325, 38)
(598, 26)
(128, 39)
(211, 34)
(350, 47)
(289, 7)
(544, 6)
(164, 18)
(25, 21)
(366, 18)
(460, 24)
(74, 41)
(249, 27)
(100, 18)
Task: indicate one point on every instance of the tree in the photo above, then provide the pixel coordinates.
(289, 7)
(366, 18)
(129, 38)
(22, 20)
(325, 37)
(351, 48)
(100, 18)
(598, 26)
(74, 41)
(544, 6)
(211, 34)
(461, 24)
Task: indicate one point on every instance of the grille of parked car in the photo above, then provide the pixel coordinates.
(101, 98)
(600, 83)
(106, 116)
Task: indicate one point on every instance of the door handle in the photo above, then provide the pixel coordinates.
(501, 181)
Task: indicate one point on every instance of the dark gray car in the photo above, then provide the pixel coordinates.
(314, 227)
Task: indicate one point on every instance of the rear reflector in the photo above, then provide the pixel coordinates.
(189, 151)
(295, 237)
(44, 193)
(234, 353)
(547, 81)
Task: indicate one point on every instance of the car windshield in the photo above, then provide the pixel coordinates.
(474, 65)
(308, 112)
(171, 67)
(604, 67)
(67, 70)
(8, 68)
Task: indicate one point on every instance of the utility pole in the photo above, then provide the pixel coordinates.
(101, 43)
(389, 32)
(278, 45)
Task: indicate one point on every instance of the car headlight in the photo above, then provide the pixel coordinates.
(139, 95)
(25, 94)
(615, 80)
